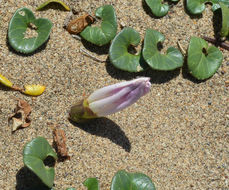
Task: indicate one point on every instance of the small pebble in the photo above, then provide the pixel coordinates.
(223, 71)
(227, 83)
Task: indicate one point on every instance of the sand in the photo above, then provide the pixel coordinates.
(178, 134)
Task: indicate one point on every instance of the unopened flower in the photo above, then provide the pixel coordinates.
(110, 99)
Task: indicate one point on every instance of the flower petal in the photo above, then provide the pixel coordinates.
(107, 105)
(112, 89)
(120, 98)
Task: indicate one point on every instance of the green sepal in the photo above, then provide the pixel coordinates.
(81, 112)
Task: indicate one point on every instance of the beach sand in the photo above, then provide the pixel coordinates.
(178, 134)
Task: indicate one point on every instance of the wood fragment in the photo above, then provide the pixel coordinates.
(217, 42)
(59, 143)
(92, 56)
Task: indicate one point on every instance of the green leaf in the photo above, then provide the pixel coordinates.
(53, 1)
(198, 6)
(131, 181)
(203, 61)
(158, 8)
(34, 154)
(118, 52)
(91, 184)
(225, 23)
(104, 34)
(70, 188)
(173, 58)
(21, 20)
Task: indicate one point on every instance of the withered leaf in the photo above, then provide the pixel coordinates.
(77, 25)
(59, 142)
(5, 81)
(34, 89)
(20, 118)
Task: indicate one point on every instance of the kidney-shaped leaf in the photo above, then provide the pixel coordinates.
(158, 8)
(34, 154)
(21, 20)
(198, 6)
(225, 23)
(91, 184)
(131, 181)
(104, 34)
(203, 61)
(118, 52)
(173, 58)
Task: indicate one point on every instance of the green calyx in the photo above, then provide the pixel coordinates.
(81, 112)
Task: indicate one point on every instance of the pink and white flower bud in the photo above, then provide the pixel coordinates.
(110, 99)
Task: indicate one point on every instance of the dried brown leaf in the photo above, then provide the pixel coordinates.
(20, 118)
(17, 123)
(77, 25)
(59, 142)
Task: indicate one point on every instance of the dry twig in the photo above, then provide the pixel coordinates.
(181, 48)
(217, 42)
(92, 56)
(76, 37)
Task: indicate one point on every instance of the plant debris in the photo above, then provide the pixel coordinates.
(32, 90)
(59, 143)
(77, 25)
(20, 119)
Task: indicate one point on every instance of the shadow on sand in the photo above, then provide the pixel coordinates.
(104, 127)
(27, 180)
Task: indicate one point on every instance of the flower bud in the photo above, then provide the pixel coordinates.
(110, 99)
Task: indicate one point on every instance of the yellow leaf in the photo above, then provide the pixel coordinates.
(34, 90)
(5, 81)
(53, 1)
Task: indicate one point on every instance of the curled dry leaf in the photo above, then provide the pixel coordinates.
(77, 25)
(21, 116)
(59, 143)
(33, 90)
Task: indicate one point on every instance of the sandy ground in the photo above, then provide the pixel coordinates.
(178, 134)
